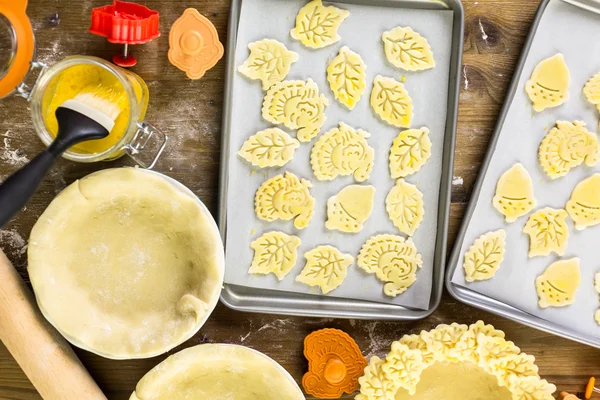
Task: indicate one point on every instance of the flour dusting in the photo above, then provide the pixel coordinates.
(12, 243)
(377, 346)
(13, 157)
(278, 325)
(465, 76)
(484, 35)
(457, 180)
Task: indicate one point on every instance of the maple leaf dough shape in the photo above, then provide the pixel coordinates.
(442, 340)
(466, 348)
(566, 146)
(504, 367)
(348, 210)
(584, 205)
(591, 90)
(325, 267)
(409, 152)
(297, 105)
(317, 25)
(375, 384)
(269, 148)
(342, 151)
(269, 61)
(404, 205)
(514, 193)
(285, 197)
(403, 367)
(407, 49)
(346, 75)
(416, 342)
(556, 287)
(393, 259)
(530, 387)
(549, 83)
(274, 252)
(391, 102)
(548, 232)
(485, 256)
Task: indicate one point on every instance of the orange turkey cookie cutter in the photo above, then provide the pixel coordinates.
(334, 364)
(194, 45)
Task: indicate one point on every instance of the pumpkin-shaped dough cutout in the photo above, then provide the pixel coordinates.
(556, 287)
(348, 210)
(549, 83)
(584, 205)
(514, 193)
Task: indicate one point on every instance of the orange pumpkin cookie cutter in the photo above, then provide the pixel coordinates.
(194, 45)
(334, 364)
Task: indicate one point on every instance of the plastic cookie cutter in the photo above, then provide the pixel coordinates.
(125, 23)
(194, 45)
(334, 364)
(591, 388)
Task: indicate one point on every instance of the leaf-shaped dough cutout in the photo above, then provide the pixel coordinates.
(416, 342)
(325, 267)
(391, 102)
(549, 83)
(404, 366)
(442, 340)
(285, 197)
(269, 61)
(409, 152)
(584, 205)
(485, 256)
(557, 286)
(346, 75)
(530, 388)
(317, 25)
(375, 384)
(514, 193)
(269, 148)
(404, 205)
(519, 365)
(591, 90)
(274, 252)
(548, 232)
(466, 348)
(348, 210)
(493, 348)
(597, 282)
(407, 49)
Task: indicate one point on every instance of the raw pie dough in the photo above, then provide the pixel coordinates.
(409, 152)
(348, 210)
(407, 49)
(597, 288)
(514, 193)
(391, 102)
(591, 90)
(274, 252)
(556, 287)
(484, 257)
(346, 75)
(269, 148)
(126, 264)
(584, 205)
(548, 232)
(217, 372)
(317, 25)
(404, 205)
(549, 83)
(325, 267)
(269, 61)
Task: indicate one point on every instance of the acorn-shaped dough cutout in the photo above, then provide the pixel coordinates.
(556, 287)
(348, 210)
(514, 193)
(584, 205)
(549, 83)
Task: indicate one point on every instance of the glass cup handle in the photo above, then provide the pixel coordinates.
(145, 133)
(36, 70)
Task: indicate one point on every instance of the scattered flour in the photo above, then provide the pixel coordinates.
(484, 35)
(377, 346)
(465, 76)
(13, 157)
(278, 325)
(12, 243)
(457, 180)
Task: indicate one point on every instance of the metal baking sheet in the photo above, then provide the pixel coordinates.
(519, 131)
(360, 296)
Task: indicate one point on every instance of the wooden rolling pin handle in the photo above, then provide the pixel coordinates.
(43, 354)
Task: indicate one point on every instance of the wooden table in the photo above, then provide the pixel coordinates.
(190, 111)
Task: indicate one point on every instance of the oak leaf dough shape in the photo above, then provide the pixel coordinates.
(346, 75)
(325, 267)
(404, 205)
(296, 105)
(271, 147)
(391, 102)
(549, 83)
(466, 348)
(317, 25)
(484, 257)
(406, 49)
(530, 387)
(404, 366)
(493, 348)
(584, 205)
(269, 61)
(416, 342)
(514, 193)
(548, 232)
(442, 340)
(591, 90)
(566, 146)
(557, 286)
(342, 151)
(409, 152)
(348, 210)
(285, 197)
(274, 252)
(519, 365)
(393, 259)
(375, 384)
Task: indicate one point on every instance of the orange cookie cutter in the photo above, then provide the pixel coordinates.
(194, 45)
(334, 364)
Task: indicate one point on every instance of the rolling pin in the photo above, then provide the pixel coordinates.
(42, 353)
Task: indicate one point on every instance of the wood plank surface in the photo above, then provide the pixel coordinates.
(190, 111)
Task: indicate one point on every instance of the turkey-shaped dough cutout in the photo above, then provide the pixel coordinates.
(269, 61)
(549, 83)
(514, 193)
(348, 210)
(317, 25)
(297, 105)
(584, 205)
(556, 287)
(407, 49)
(391, 102)
(409, 152)
(325, 267)
(274, 252)
(342, 151)
(285, 197)
(393, 259)
(346, 75)
(548, 232)
(485, 256)
(591, 90)
(404, 205)
(566, 146)
(269, 148)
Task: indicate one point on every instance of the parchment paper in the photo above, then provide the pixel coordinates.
(575, 33)
(361, 31)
